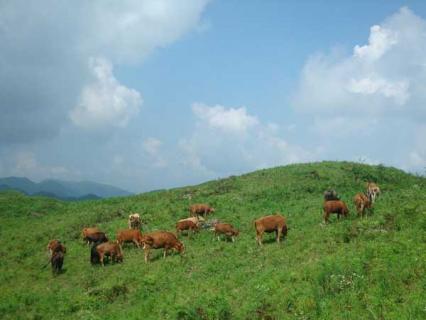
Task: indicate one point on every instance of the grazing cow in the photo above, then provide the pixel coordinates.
(111, 249)
(129, 235)
(161, 239)
(186, 225)
(362, 202)
(200, 209)
(135, 221)
(88, 231)
(197, 220)
(55, 246)
(96, 237)
(272, 223)
(334, 206)
(373, 191)
(330, 194)
(227, 229)
(57, 260)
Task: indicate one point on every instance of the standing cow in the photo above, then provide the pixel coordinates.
(200, 210)
(362, 202)
(135, 221)
(335, 206)
(373, 191)
(272, 223)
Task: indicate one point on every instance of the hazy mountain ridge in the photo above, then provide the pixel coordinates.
(60, 189)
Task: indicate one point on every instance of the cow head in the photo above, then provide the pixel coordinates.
(180, 247)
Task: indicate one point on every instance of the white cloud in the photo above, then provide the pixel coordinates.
(152, 146)
(212, 151)
(230, 120)
(380, 41)
(370, 101)
(386, 76)
(45, 50)
(105, 102)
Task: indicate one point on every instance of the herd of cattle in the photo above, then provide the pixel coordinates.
(101, 247)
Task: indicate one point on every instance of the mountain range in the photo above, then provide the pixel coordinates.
(60, 189)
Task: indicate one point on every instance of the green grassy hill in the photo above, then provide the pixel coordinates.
(372, 268)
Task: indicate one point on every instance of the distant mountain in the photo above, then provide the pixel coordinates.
(66, 190)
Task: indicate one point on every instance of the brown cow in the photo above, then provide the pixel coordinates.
(96, 237)
(129, 235)
(111, 249)
(55, 246)
(57, 260)
(186, 225)
(87, 232)
(197, 220)
(362, 202)
(161, 239)
(227, 229)
(335, 206)
(200, 209)
(272, 223)
(373, 191)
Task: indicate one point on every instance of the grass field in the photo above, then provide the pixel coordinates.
(371, 268)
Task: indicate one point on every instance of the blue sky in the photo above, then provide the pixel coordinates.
(157, 94)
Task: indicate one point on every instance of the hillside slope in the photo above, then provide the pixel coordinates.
(372, 268)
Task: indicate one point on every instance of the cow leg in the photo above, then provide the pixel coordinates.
(146, 249)
(136, 243)
(233, 239)
(278, 235)
(164, 253)
(259, 238)
(101, 259)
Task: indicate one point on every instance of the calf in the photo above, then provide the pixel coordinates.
(129, 235)
(335, 206)
(86, 232)
(55, 246)
(272, 223)
(111, 249)
(135, 221)
(186, 225)
(57, 260)
(362, 202)
(227, 229)
(161, 239)
(200, 209)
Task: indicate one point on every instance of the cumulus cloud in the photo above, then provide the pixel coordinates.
(45, 53)
(358, 100)
(213, 152)
(105, 102)
(152, 146)
(228, 120)
(387, 75)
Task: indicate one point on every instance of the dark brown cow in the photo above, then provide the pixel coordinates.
(227, 229)
(87, 232)
(186, 225)
(272, 223)
(111, 249)
(129, 235)
(57, 260)
(362, 202)
(96, 237)
(55, 246)
(335, 206)
(161, 239)
(200, 209)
